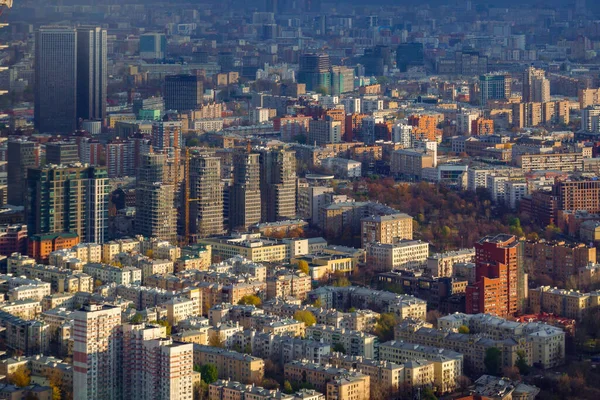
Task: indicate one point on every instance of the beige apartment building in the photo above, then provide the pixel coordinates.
(25, 309)
(230, 364)
(296, 285)
(561, 302)
(384, 374)
(552, 161)
(181, 308)
(386, 229)
(350, 387)
(319, 376)
(441, 264)
(250, 246)
(447, 364)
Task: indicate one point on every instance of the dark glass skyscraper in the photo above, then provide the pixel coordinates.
(55, 79)
(315, 71)
(183, 92)
(409, 55)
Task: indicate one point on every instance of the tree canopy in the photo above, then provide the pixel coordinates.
(305, 316)
(250, 299)
(209, 373)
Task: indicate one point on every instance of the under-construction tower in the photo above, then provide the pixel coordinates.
(4, 4)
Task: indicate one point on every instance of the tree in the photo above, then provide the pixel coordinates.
(521, 363)
(149, 253)
(287, 387)
(55, 393)
(209, 373)
(318, 303)
(136, 319)
(384, 327)
(164, 323)
(21, 377)
(492, 361)
(305, 316)
(216, 341)
(428, 394)
(342, 281)
(250, 299)
(303, 267)
(464, 329)
(433, 316)
(339, 348)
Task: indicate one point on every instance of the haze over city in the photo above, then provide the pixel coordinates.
(299, 200)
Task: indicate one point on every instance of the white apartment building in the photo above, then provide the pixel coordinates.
(404, 254)
(355, 343)
(96, 352)
(110, 274)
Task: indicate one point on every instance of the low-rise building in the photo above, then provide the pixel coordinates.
(230, 364)
(441, 264)
(447, 364)
(404, 254)
(355, 343)
(109, 274)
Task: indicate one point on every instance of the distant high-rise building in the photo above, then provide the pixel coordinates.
(494, 87)
(55, 79)
(92, 76)
(167, 136)
(97, 351)
(409, 55)
(377, 60)
(244, 194)
(536, 87)
(278, 184)
(342, 80)
(68, 199)
(62, 153)
(499, 278)
(155, 215)
(206, 211)
(183, 92)
(153, 46)
(315, 72)
(21, 155)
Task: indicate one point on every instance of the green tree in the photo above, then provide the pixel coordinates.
(305, 316)
(428, 394)
(464, 329)
(303, 267)
(209, 373)
(136, 319)
(339, 348)
(492, 361)
(521, 363)
(384, 328)
(287, 387)
(250, 299)
(342, 281)
(21, 377)
(318, 303)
